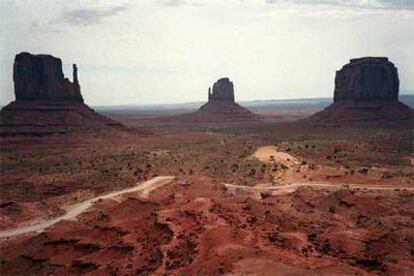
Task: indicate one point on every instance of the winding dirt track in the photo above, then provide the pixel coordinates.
(146, 187)
(292, 187)
(74, 210)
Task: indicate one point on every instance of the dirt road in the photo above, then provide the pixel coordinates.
(292, 187)
(74, 210)
(146, 187)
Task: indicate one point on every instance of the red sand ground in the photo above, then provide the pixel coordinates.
(197, 226)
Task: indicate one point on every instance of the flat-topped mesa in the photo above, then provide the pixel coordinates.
(223, 90)
(367, 79)
(40, 78)
(366, 94)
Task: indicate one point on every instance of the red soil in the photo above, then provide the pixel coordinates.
(197, 227)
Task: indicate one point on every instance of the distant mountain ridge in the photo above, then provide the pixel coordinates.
(407, 99)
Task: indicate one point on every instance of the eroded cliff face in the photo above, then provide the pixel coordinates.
(223, 90)
(40, 77)
(367, 79)
(221, 106)
(47, 103)
(366, 92)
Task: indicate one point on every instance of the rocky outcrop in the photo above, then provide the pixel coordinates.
(223, 90)
(40, 77)
(366, 91)
(367, 79)
(220, 107)
(47, 103)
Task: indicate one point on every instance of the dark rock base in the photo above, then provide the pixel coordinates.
(367, 113)
(40, 118)
(217, 112)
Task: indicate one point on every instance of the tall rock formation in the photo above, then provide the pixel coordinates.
(366, 90)
(40, 77)
(223, 90)
(367, 79)
(47, 102)
(220, 107)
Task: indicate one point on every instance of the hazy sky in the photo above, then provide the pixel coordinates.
(140, 52)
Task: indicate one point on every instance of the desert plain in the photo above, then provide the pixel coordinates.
(267, 196)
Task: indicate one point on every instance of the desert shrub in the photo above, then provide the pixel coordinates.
(336, 150)
(386, 175)
(138, 171)
(252, 172)
(363, 171)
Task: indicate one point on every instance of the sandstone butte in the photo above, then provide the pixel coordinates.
(366, 90)
(221, 107)
(48, 103)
